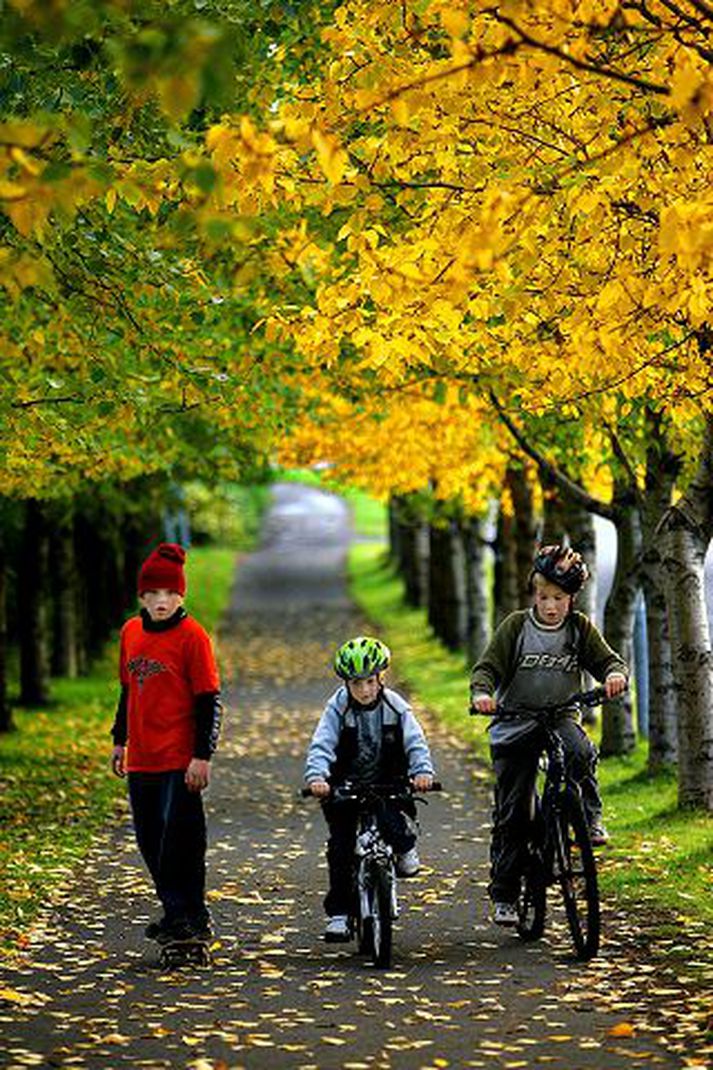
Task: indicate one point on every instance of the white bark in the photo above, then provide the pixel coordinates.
(686, 530)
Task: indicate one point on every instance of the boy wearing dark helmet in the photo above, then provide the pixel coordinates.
(537, 656)
(367, 734)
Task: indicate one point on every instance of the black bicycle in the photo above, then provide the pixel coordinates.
(374, 901)
(559, 848)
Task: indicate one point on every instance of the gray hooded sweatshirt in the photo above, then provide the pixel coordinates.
(389, 710)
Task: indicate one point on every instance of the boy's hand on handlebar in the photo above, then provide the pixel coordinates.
(483, 704)
(319, 788)
(615, 685)
(422, 782)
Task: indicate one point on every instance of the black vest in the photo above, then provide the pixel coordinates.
(393, 765)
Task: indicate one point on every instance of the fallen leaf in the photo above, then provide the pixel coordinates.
(622, 1029)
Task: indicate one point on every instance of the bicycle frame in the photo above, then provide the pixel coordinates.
(560, 850)
(374, 856)
(374, 899)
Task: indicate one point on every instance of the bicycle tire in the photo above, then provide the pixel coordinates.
(361, 927)
(378, 929)
(577, 877)
(365, 936)
(531, 906)
(369, 932)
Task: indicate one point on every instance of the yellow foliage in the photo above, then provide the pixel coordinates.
(20, 271)
(415, 444)
(502, 194)
(332, 158)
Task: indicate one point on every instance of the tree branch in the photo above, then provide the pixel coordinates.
(573, 490)
(509, 48)
(580, 64)
(622, 457)
(70, 399)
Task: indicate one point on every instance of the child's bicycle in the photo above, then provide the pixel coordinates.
(559, 850)
(374, 900)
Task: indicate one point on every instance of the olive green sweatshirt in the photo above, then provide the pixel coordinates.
(495, 669)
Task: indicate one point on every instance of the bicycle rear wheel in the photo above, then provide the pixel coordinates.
(377, 928)
(577, 876)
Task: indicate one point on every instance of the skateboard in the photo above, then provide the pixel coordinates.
(189, 952)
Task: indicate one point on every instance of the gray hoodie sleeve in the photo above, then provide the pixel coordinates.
(322, 749)
(417, 750)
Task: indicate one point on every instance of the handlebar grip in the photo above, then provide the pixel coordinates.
(595, 697)
(436, 786)
(306, 793)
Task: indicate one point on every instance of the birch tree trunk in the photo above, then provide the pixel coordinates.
(6, 722)
(446, 588)
(407, 543)
(423, 550)
(65, 601)
(505, 577)
(662, 470)
(618, 735)
(515, 536)
(524, 529)
(394, 531)
(32, 615)
(407, 561)
(565, 518)
(478, 630)
(685, 530)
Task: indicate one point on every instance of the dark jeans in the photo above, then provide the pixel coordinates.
(171, 833)
(515, 767)
(342, 821)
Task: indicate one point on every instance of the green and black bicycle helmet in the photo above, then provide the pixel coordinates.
(361, 657)
(561, 565)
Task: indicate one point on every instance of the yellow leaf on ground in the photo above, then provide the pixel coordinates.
(622, 1029)
(10, 995)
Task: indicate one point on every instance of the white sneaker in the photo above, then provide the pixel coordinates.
(505, 914)
(408, 864)
(337, 930)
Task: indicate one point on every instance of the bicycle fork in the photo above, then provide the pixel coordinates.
(376, 862)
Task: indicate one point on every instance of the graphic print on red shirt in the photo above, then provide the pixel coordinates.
(164, 671)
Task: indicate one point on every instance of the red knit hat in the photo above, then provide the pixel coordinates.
(163, 568)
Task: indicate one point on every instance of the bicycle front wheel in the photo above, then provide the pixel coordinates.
(532, 904)
(377, 927)
(577, 876)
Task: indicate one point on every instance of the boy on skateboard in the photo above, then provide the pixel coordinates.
(165, 732)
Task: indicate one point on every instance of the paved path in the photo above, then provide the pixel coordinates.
(88, 991)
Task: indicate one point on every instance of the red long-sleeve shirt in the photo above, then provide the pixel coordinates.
(163, 672)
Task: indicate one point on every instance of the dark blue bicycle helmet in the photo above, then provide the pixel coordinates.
(561, 565)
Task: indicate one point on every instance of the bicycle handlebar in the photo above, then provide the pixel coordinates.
(594, 697)
(363, 791)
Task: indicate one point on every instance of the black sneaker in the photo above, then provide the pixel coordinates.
(201, 927)
(154, 929)
(174, 931)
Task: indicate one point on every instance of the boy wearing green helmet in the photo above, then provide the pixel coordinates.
(367, 734)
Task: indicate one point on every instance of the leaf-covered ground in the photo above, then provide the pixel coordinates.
(87, 990)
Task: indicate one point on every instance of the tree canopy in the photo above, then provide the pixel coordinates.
(126, 347)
